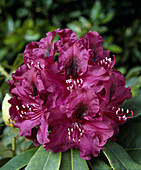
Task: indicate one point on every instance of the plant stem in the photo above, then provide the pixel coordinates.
(14, 146)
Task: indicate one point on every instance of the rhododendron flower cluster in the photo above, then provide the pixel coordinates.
(72, 102)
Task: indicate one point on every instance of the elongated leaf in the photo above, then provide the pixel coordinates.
(71, 161)
(118, 157)
(20, 160)
(44, 160)
(76, 162)
(134, 104)
(66, 161)
(130, 139)
(98, 164)
(5, 152)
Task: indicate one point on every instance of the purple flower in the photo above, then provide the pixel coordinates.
(74, 102)
(30, 104)
(39, 54)
(77, 125)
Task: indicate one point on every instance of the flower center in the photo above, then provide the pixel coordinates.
(72, 68)
(80, 110)
(74, 84)
(75, 132)
(34, 89)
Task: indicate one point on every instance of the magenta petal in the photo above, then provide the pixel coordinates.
(60, 133)
(96, 135)
(74, 60)
(42, 135)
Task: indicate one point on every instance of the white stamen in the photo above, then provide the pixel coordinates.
(118, 109)
(78, 140)
(68, 88)
(34, 105)
(17, 107)
(122, 109)
(109, 60)
(127, 111)
(71, 129)
(106, 58)
(100, 62)
(69, 133)
(68, 129)
(81, 81)
(119, 118)
(77, 81)
(21, 116)
(27, 105)
(74, 82)
(106, 63)
(31, 62)
(79, 130)
(125, 118)
(25, 113)
(77, 126)
(73, 139)
(38, 62)
(43, 65)
(67, 81)
(113, 107)
(81, 134)
(82, 131)
(117, 112)
(23, 106)
(22, 112)
(69, 137)
(28, 65)
(30, 109)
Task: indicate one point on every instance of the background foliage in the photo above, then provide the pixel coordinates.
(118, 23)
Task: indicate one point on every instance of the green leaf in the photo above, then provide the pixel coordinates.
(95, 11)
(13, 132)
(119, 158)
(5, 152)
(71, 161)
(115, 48)
(108, 17)
(130, 138)
(20, 160)
(133, 104)
(66, 161)
(135, 71)
(98, 164)
(44, 160)
(76, 162)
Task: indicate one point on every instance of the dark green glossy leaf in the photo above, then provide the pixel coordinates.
(130, 138)
(71, 161)
(119, 158)
(20, 160)
(95, 11)
(76, 162)
(4, 161)
(98, 164)
(133, 104)
(5, 152)
(44, 160)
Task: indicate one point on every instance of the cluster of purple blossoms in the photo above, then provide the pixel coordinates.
(73, 102)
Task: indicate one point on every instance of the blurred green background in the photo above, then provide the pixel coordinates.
(22, 21)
